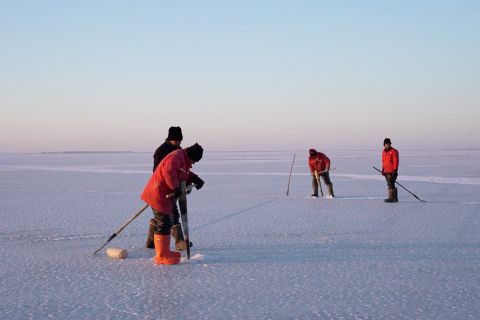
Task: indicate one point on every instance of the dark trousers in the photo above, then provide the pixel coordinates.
(324, 175)
(326, 179)
(391, 178)
(163, 223)
(161, 219)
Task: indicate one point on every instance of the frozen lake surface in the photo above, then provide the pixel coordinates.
(257, 253)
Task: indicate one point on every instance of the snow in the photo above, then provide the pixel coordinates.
(257, 253)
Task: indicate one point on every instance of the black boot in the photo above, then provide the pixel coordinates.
(395, 195)
(149, 243)
(391, 196)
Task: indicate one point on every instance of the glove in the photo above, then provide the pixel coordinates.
(198, 182)
(383, 172)
(177, 192)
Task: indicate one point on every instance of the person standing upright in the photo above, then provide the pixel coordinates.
(390, 161)
(319, 165)
(172, 143)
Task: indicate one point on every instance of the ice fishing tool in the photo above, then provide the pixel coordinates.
(182, 203)
(317, 176)
(188, 189)
(331, 169)
(121, 229)
(290, 175)
(403, 187)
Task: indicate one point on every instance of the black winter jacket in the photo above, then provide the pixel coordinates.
(162, 151)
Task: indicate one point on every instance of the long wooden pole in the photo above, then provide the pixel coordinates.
(403, 187)
(317, 176)
(121, 229)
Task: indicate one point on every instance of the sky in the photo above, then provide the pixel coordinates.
(238, 75)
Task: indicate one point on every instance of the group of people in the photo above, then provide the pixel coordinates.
(171, 166)
(319, 165)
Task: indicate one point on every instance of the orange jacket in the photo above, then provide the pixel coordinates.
(175, 167)
(319, 162)
(390, 160)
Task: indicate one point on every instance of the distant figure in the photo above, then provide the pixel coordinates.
(390, 160)
(172, 143)
(319, 165)
(166, 179)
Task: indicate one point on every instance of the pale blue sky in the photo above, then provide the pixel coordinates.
(248, 75)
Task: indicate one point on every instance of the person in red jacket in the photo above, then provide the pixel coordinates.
(172, 143)
(166, 179)
(390, 160)
(319, 165)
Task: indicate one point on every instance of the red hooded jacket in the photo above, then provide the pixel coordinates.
(318, 162)
(390, 160)
(175, 167)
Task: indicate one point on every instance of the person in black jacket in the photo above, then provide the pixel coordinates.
(172, 143)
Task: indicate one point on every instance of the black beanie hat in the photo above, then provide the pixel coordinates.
(387, 140)
(175, 134)
(195, 152)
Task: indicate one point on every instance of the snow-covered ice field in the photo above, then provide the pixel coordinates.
(257, 253)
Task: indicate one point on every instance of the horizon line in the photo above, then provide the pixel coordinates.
(239, 150)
